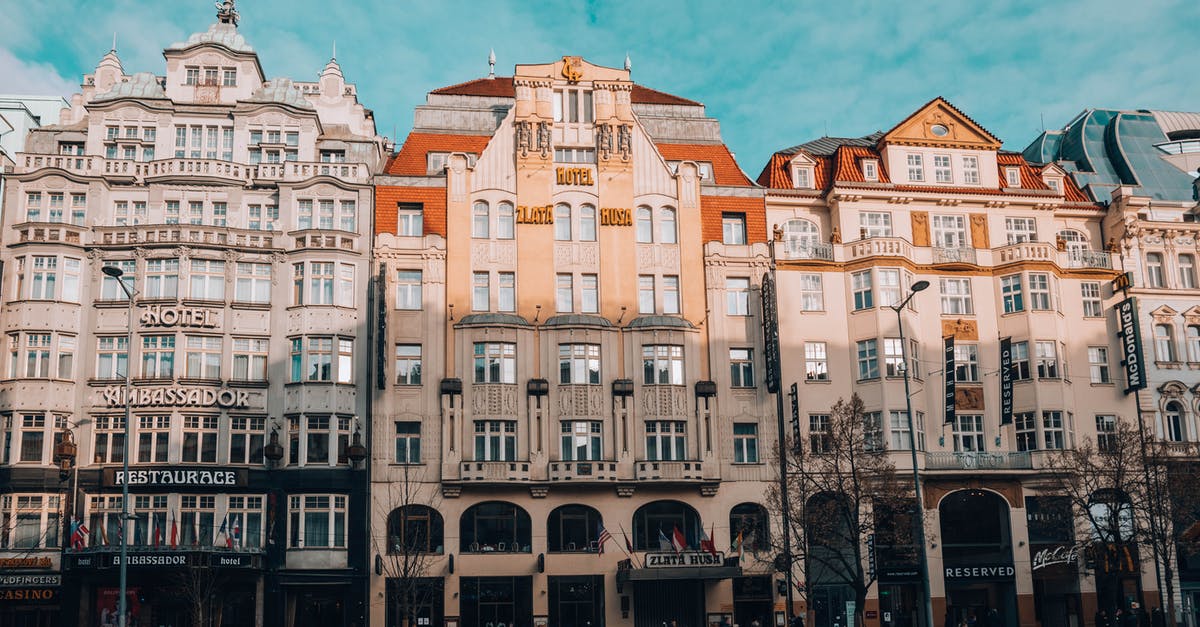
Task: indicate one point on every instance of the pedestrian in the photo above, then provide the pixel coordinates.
(1101, 619)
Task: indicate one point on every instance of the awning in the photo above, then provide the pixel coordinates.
(675, 574)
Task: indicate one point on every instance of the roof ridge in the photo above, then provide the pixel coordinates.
(468, 82)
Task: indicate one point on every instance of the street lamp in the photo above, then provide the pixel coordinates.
(919, 523)
(122, 602)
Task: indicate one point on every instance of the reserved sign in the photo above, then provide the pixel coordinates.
(1002, 571)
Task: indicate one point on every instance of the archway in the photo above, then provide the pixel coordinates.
(976, 538)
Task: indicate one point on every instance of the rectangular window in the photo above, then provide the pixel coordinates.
(481, 291)
(495, 362)
(249, 359)
(246, 521)
(1047, 360)
(1020, 361)
(162, 278)
(956, 297)
(966, 363)
(1090, 293)
(916, 168)
(970, 166)
(666, 440)
(1020, 230)
(199, 439)
(737, 296)
(408, 289)
(745, 443)
(66, 356)
(171, 212)
(893, 360)
(646, 294)
(45, 278)
(741, 367)
(408, 364)
(348, 216)
(968, 434)
(108, 446)
(819, 439)
(589, 294)
(872, 431)
(564, 293)
(37, 355)
(33, 207)
(860, 283)
(1039, 291)
(316, 440)
(506, 297)
(670, 296)
(868, 359)
(203, 357)
(1053, 432)
(195, 213)
(899, 436)
(304, 214)
(733, 229)
(318, 359)
(948, 231)
(581, 440)
(579, 364)
(875, 224)
(480, 220)
(317, 521)
(158, 356)
(33, 437)
(562, 223)
(941, 169)
(812, 295)
(495, 440)
(253, 283)
(1010, 291)
(889, 286)
(408, 442)
(79, 208)
(220, 213)
(1106, 432)
(1012, 176)
(207, 280)
(325, 214)
(662, 364)
(153, 437)
(870, 169)
(1098, 364)
(816, 363)
(111, 355)
(409, 219)
(345, 360)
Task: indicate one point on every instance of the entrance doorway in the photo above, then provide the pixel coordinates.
(828, 605)
(577, 601)
(656, 603)
(898, 605)
(752, 599)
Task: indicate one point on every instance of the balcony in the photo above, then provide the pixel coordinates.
(495, 472)
(586, 471)
(687, 471)
(1089, 259)
(978, 461)
(1179, 449)
(182, 234)
(50, 233)
(796, 249)
(962, 254)
(878, 247)
(1026, 251)
(327, 240)
(181, 167)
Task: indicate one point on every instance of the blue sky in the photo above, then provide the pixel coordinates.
(774, 73)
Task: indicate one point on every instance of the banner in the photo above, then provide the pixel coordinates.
(1131, 345)
(1006, 381)
(948, 373)
(770, 322)
(794, 393)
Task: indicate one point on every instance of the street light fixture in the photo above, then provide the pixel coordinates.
(919, 523)
(122, 601)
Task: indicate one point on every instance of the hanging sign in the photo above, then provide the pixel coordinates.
(1006, 381)
(1131, 345)
(948, 375)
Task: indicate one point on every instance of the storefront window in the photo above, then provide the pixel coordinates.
(573, 528)
(495, 527)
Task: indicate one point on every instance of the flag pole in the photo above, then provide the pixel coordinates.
(625, 536)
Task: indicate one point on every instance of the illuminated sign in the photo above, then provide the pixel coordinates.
(1052, 556)
(535, 215)
(574, 176)
(1122, 282)
(612, 216)
(1131, 345)
(161, 316)
(114, 396)
(25, 562)
(168, 477)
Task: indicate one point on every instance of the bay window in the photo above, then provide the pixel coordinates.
(495, 440)
(666, 440)
(495, 362)
(317, 521)
(581, 440)
(579, 364)
(662, 364)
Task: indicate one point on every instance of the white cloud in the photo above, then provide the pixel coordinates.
(18, 76)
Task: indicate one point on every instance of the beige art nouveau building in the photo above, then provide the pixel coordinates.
(238, 209)
(1015, 258)
(567, 266)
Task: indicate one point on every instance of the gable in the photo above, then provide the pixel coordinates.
(940, 124)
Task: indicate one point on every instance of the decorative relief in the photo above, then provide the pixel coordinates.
(488, 253)
(968, 398)
(524, 133)
(920, 228)
(543, 139)
(625, 141)
(665, 401)
(979, 230)
(961, 329)
(583, 254)
(604, 141)
(580, 400)
(494, 400)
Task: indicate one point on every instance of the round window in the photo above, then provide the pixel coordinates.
(939, 129)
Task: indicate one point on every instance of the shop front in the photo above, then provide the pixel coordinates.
(753, 599)
(1054, 561)
(670, 586)
(29, 596)
(977, 559)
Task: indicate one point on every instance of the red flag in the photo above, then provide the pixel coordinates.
(707, 543)
(157, 533)
(677, 539)
(174, 531)
(628, 544)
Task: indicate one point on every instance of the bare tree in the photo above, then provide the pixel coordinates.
(1135, 494)
(837, 482)
(206, 591)
(412, 540)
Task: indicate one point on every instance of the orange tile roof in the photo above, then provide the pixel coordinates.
(1030, 178)
(725, 169)
(1072, 192)
(777, 174)
(412, 160)
(754, 210)
(433, 200)
(849, 164)
(502, 87)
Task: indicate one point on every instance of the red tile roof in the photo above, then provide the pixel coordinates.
(1030, 178)
(725, 169)
(502, 87)
(713, 207)
(849, 164)
(432, 199)
(412, 160)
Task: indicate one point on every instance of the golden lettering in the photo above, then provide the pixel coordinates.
(574, 176)
(535, 215)
(616, 216)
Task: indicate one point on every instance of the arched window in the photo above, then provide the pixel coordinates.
(414, 529)
(801, 233)
(480, 219)
(1187, 271)
(1193, 343)
(1173, 422)
(1164, 342)
(562, 222)
(587, 223)
(505, 221)
(573, 528)
(1076, 242)
(1154, 270)
(645, 226)
(654, 525)
(666, 226)
(975, 528)
(749, 521)
(495, 527)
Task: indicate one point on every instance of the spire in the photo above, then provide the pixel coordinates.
(492, 63)
(334, 57)
(114, 46)
(628, 63)
(226, 12)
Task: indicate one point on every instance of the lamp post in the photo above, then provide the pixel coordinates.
(122, 602)
(919, 523)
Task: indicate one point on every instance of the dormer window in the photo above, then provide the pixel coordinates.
(1012, 177)
(704, 170)
(1054, 184)
(436, 162)
(870, 170)
(228, 77)
(803, 177)
(192, 76)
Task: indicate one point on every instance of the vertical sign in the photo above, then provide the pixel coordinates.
(770, 322)
(948, 399)
(1006, 381)
(871, 556)
(381, 338)
(794, 392)
(1131, 345)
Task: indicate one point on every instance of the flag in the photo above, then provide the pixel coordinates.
(157, 530)
(79, 534)
(677, 540)
(104, 533)
(222, 532)
(664, 543)
(707, 543)
(737, 545)
(174, 531)
(196, 528)
(628, 544)
(237, 532)
(605, 536)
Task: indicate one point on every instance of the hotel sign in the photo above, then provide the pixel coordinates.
(191, 317)
(686, 559)
(616, 216)
(535, 215)
(1006, 381)
(574, 176)
(114, 396)
(1131, 345)
(176, 477)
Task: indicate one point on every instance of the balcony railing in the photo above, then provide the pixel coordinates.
(978, 461)
(801, 249)
(962, 254)
(582, 471)
(1089, 259)
(669, 471)
(879, 247)
(495, 472)
(139, 171)
(1026, 251)
(183, 234)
